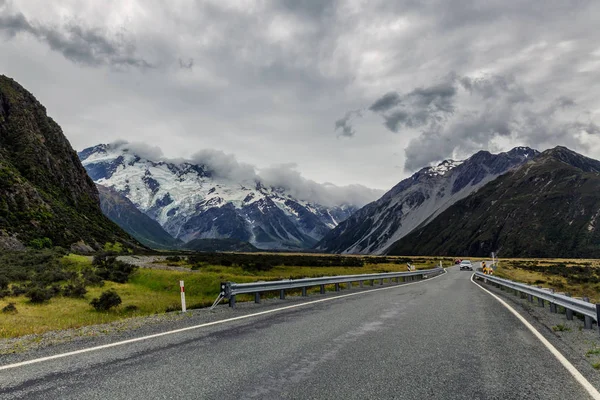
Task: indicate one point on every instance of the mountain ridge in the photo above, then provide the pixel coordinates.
(416, 200)
(190, 201)
(547, 207)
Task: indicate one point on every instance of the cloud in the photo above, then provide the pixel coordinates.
(224, 165)
(462, 115)
(141, 149)
(344, 124)
(189, 64)
(282, 176)
(386, 102)
(288, 177)
(87, 46)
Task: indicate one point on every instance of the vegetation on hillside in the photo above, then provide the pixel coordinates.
(44, 190)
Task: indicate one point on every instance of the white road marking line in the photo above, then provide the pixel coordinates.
(566, 363)
(106, 346)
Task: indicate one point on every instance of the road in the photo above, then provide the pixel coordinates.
(443, 338)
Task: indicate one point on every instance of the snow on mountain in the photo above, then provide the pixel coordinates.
(190, 201)
(417, 200)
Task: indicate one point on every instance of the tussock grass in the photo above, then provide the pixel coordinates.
(152, 291)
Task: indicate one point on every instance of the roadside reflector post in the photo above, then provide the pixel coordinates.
(182, 289)
(257, 297)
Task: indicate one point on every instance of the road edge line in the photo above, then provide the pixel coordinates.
(189, 328)
(592, 391)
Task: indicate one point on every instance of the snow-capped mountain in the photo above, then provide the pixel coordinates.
(417, 200)
(192, 202)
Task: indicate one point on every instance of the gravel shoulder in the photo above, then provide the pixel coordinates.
(581, 346)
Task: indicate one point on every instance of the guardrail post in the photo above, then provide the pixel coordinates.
(553, 308)
(530, 298)
(349, 285)
(381, 282)
(569, 314)
(372, 282)
(304, 291)
(587, 322)
(337, 287)
(598, 315)
(322, 289)
(232, 301)
(282, 294)
(257, 297)
(540, 302)
(360, 283)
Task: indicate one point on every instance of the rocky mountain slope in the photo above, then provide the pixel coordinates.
(123, 212)
(548, 207)
(193, 202)
(417, 200)
(44, 190)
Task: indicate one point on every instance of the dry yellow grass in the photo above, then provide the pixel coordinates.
(154, 291)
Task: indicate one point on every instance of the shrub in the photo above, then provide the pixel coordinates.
(107, 300)
(18, 290)
(90, 277)
(43, 243)
(10, 308)
(75, 289)
(173, 258)
(111, 269)
(131, 307)
(38, 294)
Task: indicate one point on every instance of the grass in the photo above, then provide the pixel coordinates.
(518, 270)
(592, 352)
(560, 328)
(154, 291)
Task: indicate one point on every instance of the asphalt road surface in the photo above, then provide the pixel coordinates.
(442, 338)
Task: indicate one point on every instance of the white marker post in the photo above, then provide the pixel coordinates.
(183, 309)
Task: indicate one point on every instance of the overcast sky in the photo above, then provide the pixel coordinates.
(351, 92)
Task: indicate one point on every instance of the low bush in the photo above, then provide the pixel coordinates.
(75, 289)
(106, 301)
(10, 308)
(38, 294)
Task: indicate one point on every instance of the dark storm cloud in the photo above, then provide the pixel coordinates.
(344, 124)
(81, 45)
(387, 101)
(467, 114)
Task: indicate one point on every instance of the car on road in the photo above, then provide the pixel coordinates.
(466, 265)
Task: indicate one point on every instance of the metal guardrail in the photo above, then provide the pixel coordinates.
(230, 289)
(590, 311)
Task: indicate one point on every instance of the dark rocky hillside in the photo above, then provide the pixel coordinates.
(124, 213)
(44, 190)
(548, 207)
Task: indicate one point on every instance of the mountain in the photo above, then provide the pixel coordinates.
(191, 201)
(44, 190)
(417, 200)
(123, 212)
(218, 245)
(548, 207)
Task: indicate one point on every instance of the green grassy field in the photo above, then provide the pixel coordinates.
(151, 291)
